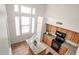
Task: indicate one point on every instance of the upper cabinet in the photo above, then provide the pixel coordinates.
(53, 29)
(48, 28)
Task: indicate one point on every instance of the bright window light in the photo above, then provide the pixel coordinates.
(25, 20)
(40, 19)
(33, 24)
(17, 25)
(33, 11)
(25, 9)
(39, 25)
(16, 8)
(25, 29)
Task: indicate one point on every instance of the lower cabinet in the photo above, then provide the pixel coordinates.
(47, 40)
(72, 36)
(62, 50)
(75, 37)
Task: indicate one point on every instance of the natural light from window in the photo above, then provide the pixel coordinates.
(17, 25)
(40, 19)
(16, 8)
(25, 21)
(33, 24)
(25, 29)
(33, 11)
(25, 9)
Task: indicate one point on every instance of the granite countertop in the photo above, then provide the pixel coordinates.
(50, 35)
(71, 49)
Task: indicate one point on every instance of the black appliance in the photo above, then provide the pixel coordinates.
(60, 38)
(61, 34)
(56, 45)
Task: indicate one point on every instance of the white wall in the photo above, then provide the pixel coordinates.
(67, 14)
(4, 42)
(11, 23)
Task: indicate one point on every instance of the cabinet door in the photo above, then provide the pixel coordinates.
(69, 35)
(72, 36)
(61, 30)
(62, 50)
(53, 29)
(48, 28)
(47, 40)
(75, 37)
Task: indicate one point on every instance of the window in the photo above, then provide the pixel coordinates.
(17, 25)
(16, 8)
(25, 9)
(25, 21)
(33, 24)
(40, 19)
(33, 11)
(39, 26)
(25, 29)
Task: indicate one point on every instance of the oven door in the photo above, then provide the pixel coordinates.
(56, 45)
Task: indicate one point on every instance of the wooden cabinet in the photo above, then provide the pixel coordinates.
(70, 35)
(53, 29)
(62, 50)
(61, 30)
(47, 40)
(75, 37)
(48, 28)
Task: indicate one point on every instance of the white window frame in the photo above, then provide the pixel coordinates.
(19, 14)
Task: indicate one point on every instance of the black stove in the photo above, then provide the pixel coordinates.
(58, 41)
